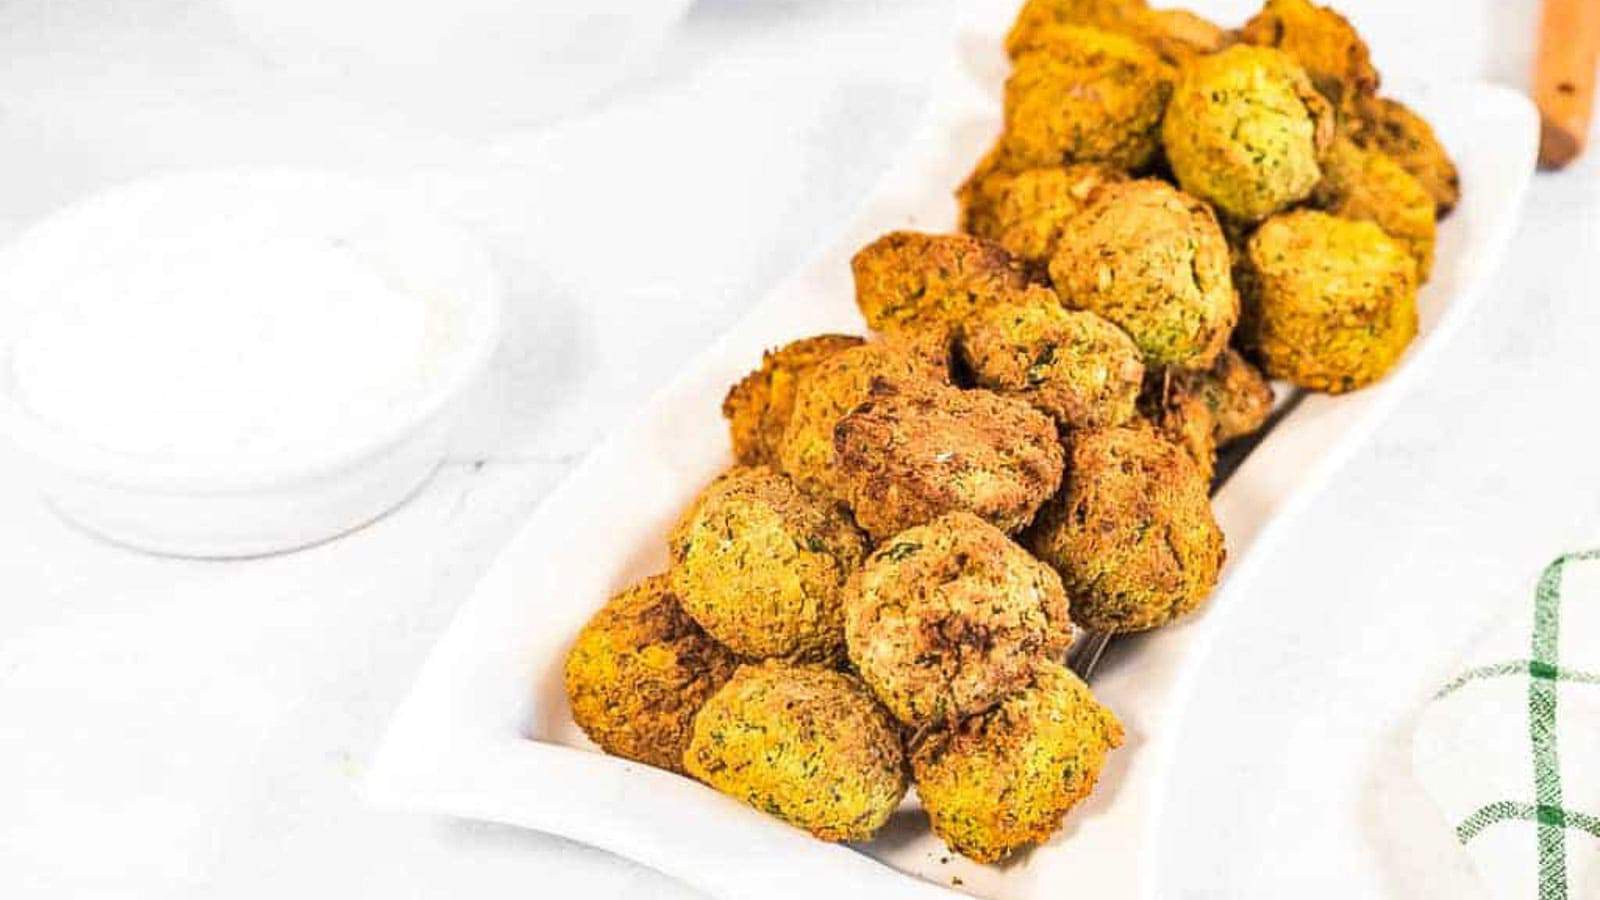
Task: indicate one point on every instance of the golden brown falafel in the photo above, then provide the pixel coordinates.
(907, 279)
(1245, 130)
(1154, 262)
(948, 618)
(1201, 411)
(759, 406)
(1408, 139)
(1033, 208)
(761, 566)
(905, 459)
(639, 671)
(837, 385)
(1076, 367)
(1369, 186)
(804, 743)
(1177, 35)
(1039, 16)
(1330, 304)
(1085, 96)
(1237, 393)
(1325, 45)
(1131, 531)
(1003, 780)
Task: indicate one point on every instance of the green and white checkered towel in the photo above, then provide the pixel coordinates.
(1510, 749)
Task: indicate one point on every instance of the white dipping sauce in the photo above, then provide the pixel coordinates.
(225, 339)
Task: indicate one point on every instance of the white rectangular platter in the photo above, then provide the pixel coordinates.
(486, 733)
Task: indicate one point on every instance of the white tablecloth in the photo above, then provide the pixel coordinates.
(175, 729)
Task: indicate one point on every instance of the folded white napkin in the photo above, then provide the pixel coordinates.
(1510, 748)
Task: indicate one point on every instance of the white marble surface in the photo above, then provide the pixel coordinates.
(178, 729)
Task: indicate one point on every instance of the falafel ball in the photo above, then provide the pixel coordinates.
(1325, 45)
(1003, 780)
(759, 406)
(1154, 262)
(978, 198)
(837, 385)
(1178, 35)
(1131, 532)
(948, 618)
(1039, 16)
(1084, 95)
(1369, 186)
(761, 566)
(1076, 367)
(1245, 130)
(1033, 208)
(1237, 393)
(1391, 127)
(905, 459)
(908, 279)
(1330, 304)
(638, 673)
(804, 743)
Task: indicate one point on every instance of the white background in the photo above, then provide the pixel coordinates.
(190, 729)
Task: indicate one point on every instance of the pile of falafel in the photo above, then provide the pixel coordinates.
(883, 588)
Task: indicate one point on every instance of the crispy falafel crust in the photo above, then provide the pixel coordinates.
(759, 406)
(907, 458)
(1330, 304)
(639, 671)
(1032, 208)
(804, 743)
(948, 618)
(1324, 43)
(1245, 130)
(1001, 781)
(840, 383)
(1072, 365)
(761, 566)
(907, 279)
(1368, 186)
(1153, 261)
(1131, 532)
(1081, 95)
(1390, 126)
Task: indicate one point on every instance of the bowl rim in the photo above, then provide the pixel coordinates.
(482, 290)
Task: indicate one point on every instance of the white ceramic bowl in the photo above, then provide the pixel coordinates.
(222, 507)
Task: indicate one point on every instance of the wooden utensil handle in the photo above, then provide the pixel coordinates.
(1564, 77)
